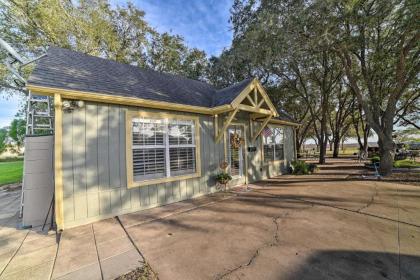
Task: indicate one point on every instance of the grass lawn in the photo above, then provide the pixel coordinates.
(11, 172)
(406, 163)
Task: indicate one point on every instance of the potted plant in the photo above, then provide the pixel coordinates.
(223, 177)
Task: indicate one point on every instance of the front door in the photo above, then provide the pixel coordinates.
(236, 154)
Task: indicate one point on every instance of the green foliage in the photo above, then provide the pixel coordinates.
(406, 163)
(375, 159)
(306, 50)
(11, 172)
(17, 131)
(408, 135)
(223, 177)
(97, 28)
(13, 158)
(169, 54)
(3, 138)
(300, 167)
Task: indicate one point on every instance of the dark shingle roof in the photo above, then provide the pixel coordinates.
(66, 69)
(227, 95)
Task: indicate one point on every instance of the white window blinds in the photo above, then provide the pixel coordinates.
(163, 148)
(273, 143)
(181, 147)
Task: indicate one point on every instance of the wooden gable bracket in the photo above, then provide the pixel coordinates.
(220, 134)
(265, 97)
(260, 103)
(248, 108)
(256, 96)
(251, 101)
(264, 124)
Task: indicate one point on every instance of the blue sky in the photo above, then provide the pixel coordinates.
(8, 109)
(204, 24)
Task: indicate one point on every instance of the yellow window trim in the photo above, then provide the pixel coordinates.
(129, 156)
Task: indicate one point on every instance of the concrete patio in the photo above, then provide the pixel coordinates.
(292, 227)
(101, 250)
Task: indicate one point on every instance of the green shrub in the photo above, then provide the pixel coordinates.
(406, 163)
(299, 167)
(375, 159)
(312, 167)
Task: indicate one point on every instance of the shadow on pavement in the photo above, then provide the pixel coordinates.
(357, 265)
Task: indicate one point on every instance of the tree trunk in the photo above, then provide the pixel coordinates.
(298, 145)
(365, 139)
(336, 147)
(323, 141)
(386, 152)
(322, 150)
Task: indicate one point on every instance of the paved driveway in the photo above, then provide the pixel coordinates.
(292, 227)
(312, 227)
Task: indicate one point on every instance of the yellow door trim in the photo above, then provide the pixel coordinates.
(245, 155)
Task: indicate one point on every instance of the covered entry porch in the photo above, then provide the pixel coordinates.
(258, 143)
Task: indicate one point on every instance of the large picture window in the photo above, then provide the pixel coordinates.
(273, 147)
(161, 149)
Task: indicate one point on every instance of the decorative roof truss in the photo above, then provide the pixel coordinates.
(253, 99)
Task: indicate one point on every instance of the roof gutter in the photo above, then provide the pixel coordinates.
(123, 100)
(275, 121)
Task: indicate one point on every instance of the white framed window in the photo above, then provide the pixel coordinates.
(161, 149)
(273, 143)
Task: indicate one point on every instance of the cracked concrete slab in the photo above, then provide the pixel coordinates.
(291, 229)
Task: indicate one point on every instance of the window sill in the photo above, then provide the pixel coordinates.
(162, 180)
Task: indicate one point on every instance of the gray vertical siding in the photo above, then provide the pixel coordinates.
(38, 182)
(259, 170)
(94, 165)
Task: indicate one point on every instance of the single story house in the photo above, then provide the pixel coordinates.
(127, 138)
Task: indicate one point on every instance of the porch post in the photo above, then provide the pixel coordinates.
(216, 126)
(58, 161)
